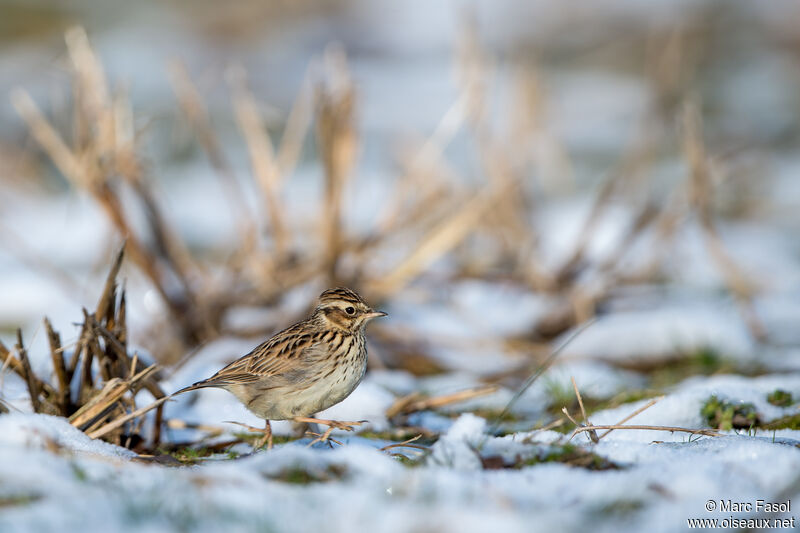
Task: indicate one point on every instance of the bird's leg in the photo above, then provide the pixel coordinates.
(266, 434)
(267, 438)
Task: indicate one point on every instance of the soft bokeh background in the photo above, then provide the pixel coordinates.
(494, 174)
(595, 88)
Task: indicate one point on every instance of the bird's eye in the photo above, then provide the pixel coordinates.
(349, 310)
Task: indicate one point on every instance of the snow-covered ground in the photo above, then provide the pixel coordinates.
(54, 477)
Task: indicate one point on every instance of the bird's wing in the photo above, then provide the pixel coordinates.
(287, 353)
(290, 355)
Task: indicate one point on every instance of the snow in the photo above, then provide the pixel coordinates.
(456, 449)
(40, 431)
(92, 486)
(656, 334)
(682, 407)
(663, 478)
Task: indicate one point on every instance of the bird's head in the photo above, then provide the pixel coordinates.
(343, 308)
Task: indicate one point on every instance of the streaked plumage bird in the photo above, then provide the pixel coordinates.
(305, 368)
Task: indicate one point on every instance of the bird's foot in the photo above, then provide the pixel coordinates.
(323, 437)
(332, 424)
(266, 433)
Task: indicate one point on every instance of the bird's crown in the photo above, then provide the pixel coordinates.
(340, 294)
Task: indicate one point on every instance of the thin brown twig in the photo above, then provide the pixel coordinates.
(9, 361)
(405, 444)
(30, 378)
(414, 402)
(88, 170)
(440, 239)
(592, 433)
(706, 432)
(111, 426)
(700, 194)
(262, 159)
(192, 105)
(547, 427)
(338, 143)
(52, 143)
(643, 408)
(59, 367)
(569, 416)
(297, 127)
(112, 391)
(176, 423)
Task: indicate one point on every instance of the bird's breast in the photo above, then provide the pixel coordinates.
(335, 376)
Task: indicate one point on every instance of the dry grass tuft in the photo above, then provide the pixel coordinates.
(96, 382)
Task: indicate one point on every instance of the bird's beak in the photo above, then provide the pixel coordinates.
(373, 314)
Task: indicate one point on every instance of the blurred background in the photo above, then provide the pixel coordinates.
(493, 174)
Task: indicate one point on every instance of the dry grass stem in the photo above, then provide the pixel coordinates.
(405, 444)
(119, 422)
(552, 425)
(193, 107)
(338, 143)
(706, 432)
(297, 126)
(34, 385)
(95, 386)
(569, 417)
(643, 408)
(9, 361)
(112, 391)
(439, 240)
(701, 190)
(47, 137)
(176, 423)
(592, 434)
(415, 402)
(262, 159)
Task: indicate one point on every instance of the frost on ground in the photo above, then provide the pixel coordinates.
(461, 476)
(54, 477)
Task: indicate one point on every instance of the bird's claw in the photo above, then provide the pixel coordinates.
(266, 433)
(323, 437)
(346, 426)
(332, 424)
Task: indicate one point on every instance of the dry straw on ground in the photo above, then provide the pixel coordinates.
(96, 379)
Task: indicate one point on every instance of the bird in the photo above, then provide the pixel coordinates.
(303, 369)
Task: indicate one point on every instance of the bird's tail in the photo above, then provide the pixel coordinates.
(199, 385)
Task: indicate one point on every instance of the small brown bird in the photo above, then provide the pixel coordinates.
(305, 368)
